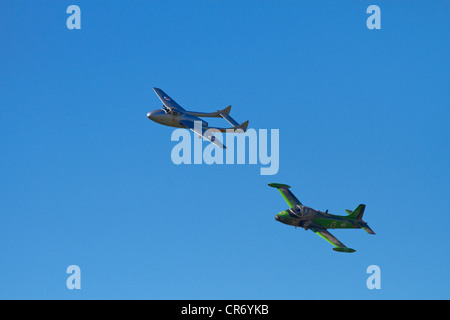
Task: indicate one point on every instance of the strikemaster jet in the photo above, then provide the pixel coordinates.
(301, 216)
(173, 115)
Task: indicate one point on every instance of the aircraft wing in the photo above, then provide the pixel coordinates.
(203, 132)
(166, 100)
(338, 246)
(290, 198)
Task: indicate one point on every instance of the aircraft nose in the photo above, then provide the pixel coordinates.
(276, 217)
(150, 115)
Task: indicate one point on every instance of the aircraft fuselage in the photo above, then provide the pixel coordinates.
(172, 118)
(305, 217)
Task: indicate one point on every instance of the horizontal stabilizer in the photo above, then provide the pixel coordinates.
(227, 117)
(366, 227)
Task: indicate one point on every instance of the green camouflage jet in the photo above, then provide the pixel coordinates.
(301, 216)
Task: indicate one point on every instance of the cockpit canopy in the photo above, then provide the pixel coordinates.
(297, 209)
(170, 111)
(302, 211)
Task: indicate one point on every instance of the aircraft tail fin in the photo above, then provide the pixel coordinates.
(225, 111)
(242, 126)
(358, 213)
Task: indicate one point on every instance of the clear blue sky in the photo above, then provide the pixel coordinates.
(87, 179)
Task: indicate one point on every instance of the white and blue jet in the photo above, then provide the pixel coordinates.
(173, 115)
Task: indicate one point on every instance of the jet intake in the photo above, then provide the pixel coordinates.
(305, 224)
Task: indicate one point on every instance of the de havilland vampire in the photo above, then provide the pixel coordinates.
(299, 215)
(173, 115)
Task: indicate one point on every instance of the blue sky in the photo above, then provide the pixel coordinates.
(87, 179)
